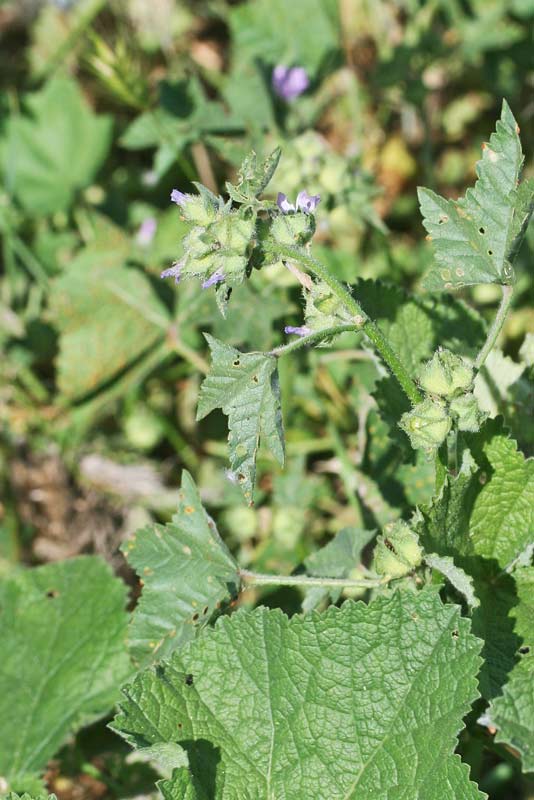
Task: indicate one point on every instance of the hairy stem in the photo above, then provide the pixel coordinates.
(361, 320)
(259, 579)
(442, 466)
(496, 327)
(311, 338)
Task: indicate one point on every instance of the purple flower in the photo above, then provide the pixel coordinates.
(289, 82)
(305, 202)
(173, 272)
(146, 231)
(217, 277)
(178, 197)
(303, 330)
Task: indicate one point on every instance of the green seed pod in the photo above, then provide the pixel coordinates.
(467, 413)
(427, 424)
(446, 375)
(397, 550)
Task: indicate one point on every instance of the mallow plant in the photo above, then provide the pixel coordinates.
(407, 635)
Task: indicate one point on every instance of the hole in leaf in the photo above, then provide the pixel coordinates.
(524, 650)
(195, 616)
(51, 593)
(237, 363)
(482, 230)
(455, 634)
(205, 610)
(490, 252)
(241, 477)
(255, 378)
(189, 680)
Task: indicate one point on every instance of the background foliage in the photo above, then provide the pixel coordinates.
(105, 107)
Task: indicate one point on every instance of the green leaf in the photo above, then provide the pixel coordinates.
(512, 713)
(477, 237)
(335, 560)
(486, 514)
(257, 32)
(187, 573)
(364, 701)
(107, 316)
(27, 796)
(54, 150)
(182, 786)
(462, 582)
(483, 519)
(254, 177)
(245, 386)
(502, 519)
(63, 644)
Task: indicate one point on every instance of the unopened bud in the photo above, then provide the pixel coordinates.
(397, 551)
(467, 412)
(427, 424)
(446, 375)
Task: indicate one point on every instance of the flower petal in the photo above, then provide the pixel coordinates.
(301, 330)
(217, 277)
(283, 203)
(179, 197)
(173, 272)
(307, 203)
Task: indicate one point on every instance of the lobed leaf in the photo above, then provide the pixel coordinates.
(107, 316)
(364, 701)
(476, 238)
(56, 149)
(245, 386)
(187, 572)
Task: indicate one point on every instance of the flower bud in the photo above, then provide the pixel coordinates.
(446, 375)
(292, 228)
(467, 412)
(397, 551)
(198, 209)
(427, 424)
(323, 308)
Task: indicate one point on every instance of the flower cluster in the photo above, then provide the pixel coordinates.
(226, 241)
(447, 380)
(216, 249)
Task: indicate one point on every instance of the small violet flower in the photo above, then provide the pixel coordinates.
(173, 272)
(303, 330)
(217, 277)
(305, 202)
(180, 198)
(146, 231)
(289, 82)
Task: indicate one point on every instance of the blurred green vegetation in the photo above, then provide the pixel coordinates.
(105, 107)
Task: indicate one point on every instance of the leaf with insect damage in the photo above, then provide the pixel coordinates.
(245, 386)
(476, 238)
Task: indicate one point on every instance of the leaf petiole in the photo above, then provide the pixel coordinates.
(496, 327)
(361, 320)
(259, 579)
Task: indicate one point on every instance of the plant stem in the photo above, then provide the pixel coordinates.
(259, 579)
(311, 338)
(496, 327)
(361, 320)
(442, 466)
